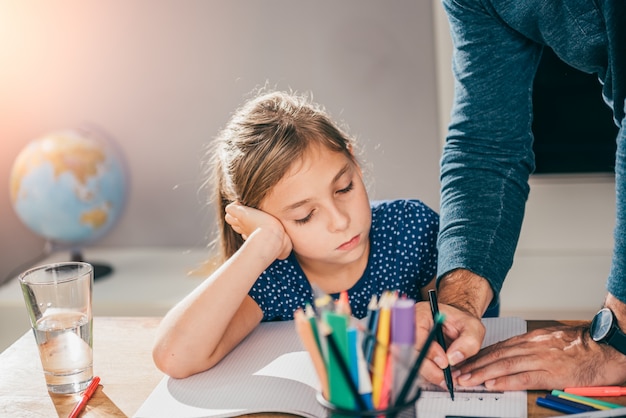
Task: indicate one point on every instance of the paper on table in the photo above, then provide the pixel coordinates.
(271, 372)
(268, 372)
(435, 402)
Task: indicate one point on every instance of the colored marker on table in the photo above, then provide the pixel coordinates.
(598, 391)
(558, 405)
(570, 406)
(585, 400)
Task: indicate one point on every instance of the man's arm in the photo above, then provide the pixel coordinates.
(466, 291)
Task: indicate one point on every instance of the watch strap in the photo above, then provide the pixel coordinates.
(617, 339)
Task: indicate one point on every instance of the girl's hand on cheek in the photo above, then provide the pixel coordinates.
(246, 220)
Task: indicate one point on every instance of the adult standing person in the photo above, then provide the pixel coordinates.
(485, 168)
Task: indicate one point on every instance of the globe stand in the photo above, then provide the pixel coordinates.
(99, 269)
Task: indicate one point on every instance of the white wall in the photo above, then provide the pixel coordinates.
(162, 76)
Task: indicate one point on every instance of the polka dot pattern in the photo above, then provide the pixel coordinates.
(403, 257)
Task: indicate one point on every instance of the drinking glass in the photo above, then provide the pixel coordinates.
(58, 300)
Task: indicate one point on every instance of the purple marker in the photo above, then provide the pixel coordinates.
(402, 342)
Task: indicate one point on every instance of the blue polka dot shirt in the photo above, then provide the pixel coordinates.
(403, 257)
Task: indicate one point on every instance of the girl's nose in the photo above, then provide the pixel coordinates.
(339, 219)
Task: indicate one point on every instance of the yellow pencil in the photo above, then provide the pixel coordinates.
(381, 350)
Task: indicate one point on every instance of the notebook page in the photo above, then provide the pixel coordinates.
(268, 372)
(435, 402)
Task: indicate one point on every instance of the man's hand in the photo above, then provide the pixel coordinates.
(550, 358)
(463, 298)
(246, 220)
(465, 332)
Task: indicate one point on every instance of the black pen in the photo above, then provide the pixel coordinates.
(447, 373)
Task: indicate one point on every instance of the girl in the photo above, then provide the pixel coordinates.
(296, 214)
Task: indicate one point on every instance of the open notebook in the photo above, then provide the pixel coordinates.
(476, 401)
(271, 372)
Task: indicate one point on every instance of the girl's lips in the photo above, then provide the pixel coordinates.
(346, 246)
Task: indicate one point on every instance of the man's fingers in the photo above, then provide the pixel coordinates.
(431, 372)
(507, 366)
(519, 381)
(464, 347)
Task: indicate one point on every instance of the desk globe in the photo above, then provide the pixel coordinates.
(70, 188)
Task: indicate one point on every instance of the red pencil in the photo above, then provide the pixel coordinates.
(87, 394)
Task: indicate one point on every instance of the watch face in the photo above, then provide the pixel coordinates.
(601, 324)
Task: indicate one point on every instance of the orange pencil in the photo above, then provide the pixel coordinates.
(385, 393)
(342, 305)
(304, 330)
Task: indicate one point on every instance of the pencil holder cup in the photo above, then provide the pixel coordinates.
(406, 410)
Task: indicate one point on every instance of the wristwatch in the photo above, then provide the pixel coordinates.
(604, 329)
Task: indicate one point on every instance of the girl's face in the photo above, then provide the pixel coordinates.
(324, 208)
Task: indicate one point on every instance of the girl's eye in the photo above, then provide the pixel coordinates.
(305, 219)
(347, 189)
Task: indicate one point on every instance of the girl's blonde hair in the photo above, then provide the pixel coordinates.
(258, 146)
